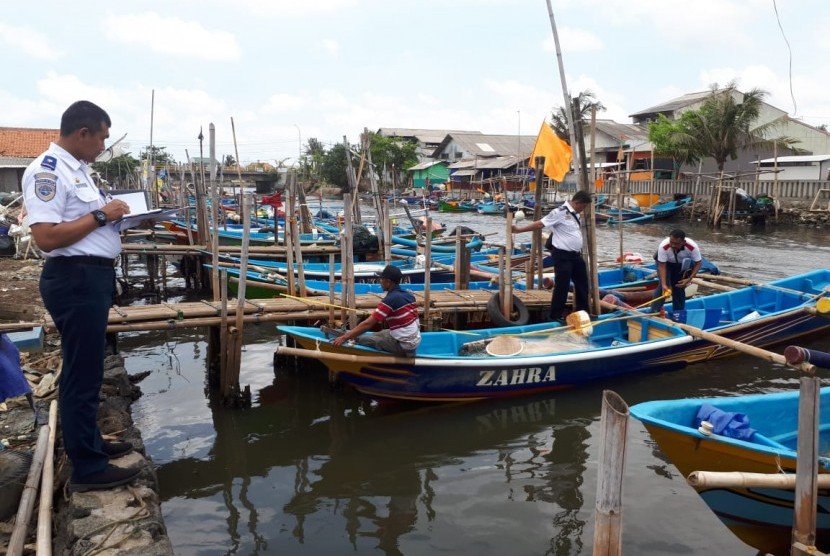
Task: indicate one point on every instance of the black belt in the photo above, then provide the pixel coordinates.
(85, 259)
(565, 251)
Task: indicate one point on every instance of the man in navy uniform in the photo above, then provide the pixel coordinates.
(71, 221)
(565, 244)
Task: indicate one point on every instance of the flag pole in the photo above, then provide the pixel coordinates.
(568, 111)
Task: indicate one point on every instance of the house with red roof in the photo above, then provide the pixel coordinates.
(19, 146)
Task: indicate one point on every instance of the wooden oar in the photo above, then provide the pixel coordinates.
(718, 339)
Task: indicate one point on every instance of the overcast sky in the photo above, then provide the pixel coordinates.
(287, 70)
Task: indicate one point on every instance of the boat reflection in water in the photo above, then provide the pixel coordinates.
(310, 471)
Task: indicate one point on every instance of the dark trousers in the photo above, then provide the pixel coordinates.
(78, 297)
(568, 267)
(678, 295)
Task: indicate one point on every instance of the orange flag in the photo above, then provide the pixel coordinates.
(557, 153)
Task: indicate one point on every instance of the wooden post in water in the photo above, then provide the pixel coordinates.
(507, 298)
(806, 467)
(214, 213)
(347, 261)
(223, 328)
(288, 238)
(427, 277)
(331, 288)
(230, 384)
(295, 234)
(386, 222)
(608, 515)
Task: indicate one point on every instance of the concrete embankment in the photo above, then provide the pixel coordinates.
(122, 520)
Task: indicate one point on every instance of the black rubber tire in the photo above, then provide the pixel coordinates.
(519, 309)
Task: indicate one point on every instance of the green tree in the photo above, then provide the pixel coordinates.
(118, 171)
(312, 159)
(559, 118)
(726, 124)
(333, 167)
(661, 134)
(392, 152)
(160, 156)
(229, 160)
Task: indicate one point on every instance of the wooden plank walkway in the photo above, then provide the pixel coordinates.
(167, 316)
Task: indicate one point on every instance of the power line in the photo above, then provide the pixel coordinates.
(790, 51)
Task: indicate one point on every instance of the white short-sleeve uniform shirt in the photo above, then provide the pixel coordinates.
(57, 188)
(563, 223)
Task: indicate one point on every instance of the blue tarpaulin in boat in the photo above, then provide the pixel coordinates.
(12, 381)
(725, 423)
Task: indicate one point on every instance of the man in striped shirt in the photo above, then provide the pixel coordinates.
(399, 310)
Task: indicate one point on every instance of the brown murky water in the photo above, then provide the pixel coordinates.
(311, 471)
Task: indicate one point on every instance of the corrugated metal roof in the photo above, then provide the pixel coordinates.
(490, 145)
(492, 163)
(674, 104)
(15, 161)
(465, 173)
(626, 132)
(424, 165)
(795, 158)
(25, 142)
(422, 135)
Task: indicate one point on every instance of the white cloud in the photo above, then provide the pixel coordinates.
(29, 41)
(171, 36)
(574, 40)
(283, 103)
(331, 46)
(292, 8)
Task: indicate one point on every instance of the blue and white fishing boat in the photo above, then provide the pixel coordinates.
(621, 343)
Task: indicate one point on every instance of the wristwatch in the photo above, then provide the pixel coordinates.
(100, 217)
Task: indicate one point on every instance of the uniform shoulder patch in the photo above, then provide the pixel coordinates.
(46, 185)
(49, 162)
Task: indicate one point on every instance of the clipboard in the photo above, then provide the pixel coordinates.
(135, 219)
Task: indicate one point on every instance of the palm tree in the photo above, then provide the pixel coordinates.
(559, 118)
(725, 124)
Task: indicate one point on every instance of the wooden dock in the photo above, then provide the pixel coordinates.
(167, 316)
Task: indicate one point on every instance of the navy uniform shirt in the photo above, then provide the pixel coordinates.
(57, 188)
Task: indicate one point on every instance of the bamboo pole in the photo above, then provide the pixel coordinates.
(231, 384)
(239, 170)
(806, 466)
(608, 514)
(427, 274)
(507, 300)
(331, 288)
(214, 213)
(740, 479)
(343, 357)
(27, 501)
(347, 263)
(717, 339)
(44, 517)
(223, 328)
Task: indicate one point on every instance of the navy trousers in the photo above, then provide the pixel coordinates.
(568, 266)
(78, 296)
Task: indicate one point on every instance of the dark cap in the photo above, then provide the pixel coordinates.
(390, 272)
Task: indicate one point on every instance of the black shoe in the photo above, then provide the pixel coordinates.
(110, 477)
(115, 450)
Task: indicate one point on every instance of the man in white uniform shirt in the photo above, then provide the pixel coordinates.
(678, 261)
(71, 221)
(565, 244)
